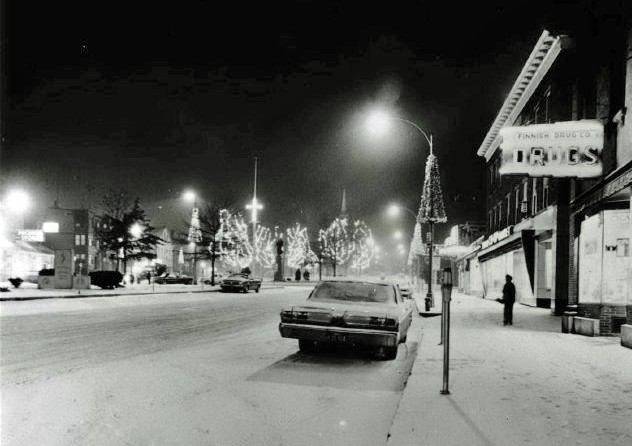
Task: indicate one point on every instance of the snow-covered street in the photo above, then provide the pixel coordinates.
(203, 368)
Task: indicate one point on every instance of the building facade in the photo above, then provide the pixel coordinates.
(566, 237)
(77, 230)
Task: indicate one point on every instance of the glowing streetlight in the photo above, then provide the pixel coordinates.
(378, 122)
(393, 210)
(189, 196)
(136, 230)
(398, 235)
(17, 201)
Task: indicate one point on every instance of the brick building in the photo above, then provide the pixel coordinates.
(566, 239)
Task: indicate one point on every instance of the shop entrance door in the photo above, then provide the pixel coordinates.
(543, 273)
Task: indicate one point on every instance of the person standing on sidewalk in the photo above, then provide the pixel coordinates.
(509, 298)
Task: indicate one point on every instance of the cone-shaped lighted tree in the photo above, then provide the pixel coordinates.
(431, 211)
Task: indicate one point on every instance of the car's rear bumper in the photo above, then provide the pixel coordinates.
(355, 336)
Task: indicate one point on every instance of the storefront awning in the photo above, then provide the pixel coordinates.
(514, 241)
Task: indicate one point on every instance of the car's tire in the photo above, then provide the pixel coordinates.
(403, 339)
(257, 289)
(306, 346)
(390, 353)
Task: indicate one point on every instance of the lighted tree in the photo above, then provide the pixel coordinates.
(363, 246)
(416, 246)
(336, 244)
(299, 252)
(431, 209)
(263, 252)
(234, 246)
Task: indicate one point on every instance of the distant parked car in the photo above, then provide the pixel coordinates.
(361, 313)
(240, 282)
(406, 289)
(173, 279)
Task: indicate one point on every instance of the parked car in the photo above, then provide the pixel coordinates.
(167, 279)
(361, 313)
(240, 282)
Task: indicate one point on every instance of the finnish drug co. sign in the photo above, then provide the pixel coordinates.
(563, 149)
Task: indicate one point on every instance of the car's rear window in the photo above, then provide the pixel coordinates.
(361, 292)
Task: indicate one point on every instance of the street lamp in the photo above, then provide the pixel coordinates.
(15, 202)
(189, 196)
(378, 122)
(394, 210)
(136, 230)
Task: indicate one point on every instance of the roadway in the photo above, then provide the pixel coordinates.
(193, 368)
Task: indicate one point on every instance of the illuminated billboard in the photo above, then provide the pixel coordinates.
(563, 149)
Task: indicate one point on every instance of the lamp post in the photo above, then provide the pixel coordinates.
(446, 293)
(378, 122)
(254, 207)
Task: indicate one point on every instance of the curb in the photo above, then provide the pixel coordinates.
(81, 296)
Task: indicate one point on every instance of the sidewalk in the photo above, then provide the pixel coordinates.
(522, 384)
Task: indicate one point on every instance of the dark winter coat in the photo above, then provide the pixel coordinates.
(509, 293)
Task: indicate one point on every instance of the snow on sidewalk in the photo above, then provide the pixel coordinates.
(521, 384)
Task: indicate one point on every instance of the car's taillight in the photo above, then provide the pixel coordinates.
(287, 315)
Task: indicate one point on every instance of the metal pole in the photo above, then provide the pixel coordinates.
(446, 292)
(429, 295)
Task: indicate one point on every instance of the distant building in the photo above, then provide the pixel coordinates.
(77, 231)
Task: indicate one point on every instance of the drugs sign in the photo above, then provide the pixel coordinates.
(563, 149)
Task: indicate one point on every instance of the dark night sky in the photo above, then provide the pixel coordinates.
(154, 98)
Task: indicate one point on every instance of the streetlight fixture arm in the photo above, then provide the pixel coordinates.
(428, 138)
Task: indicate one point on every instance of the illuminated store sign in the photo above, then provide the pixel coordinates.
(563, 149)
(31, 235)
(497, 236)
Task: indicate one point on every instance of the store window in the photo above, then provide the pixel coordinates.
(508, 198)
(623, 247)
(534, 196)
(525, 198)
(517, 206)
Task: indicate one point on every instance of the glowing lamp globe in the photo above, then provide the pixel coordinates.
(378, 122)
(17, 201)
(189, 196)
(393, 210)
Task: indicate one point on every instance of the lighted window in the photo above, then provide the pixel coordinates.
(80, 239)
